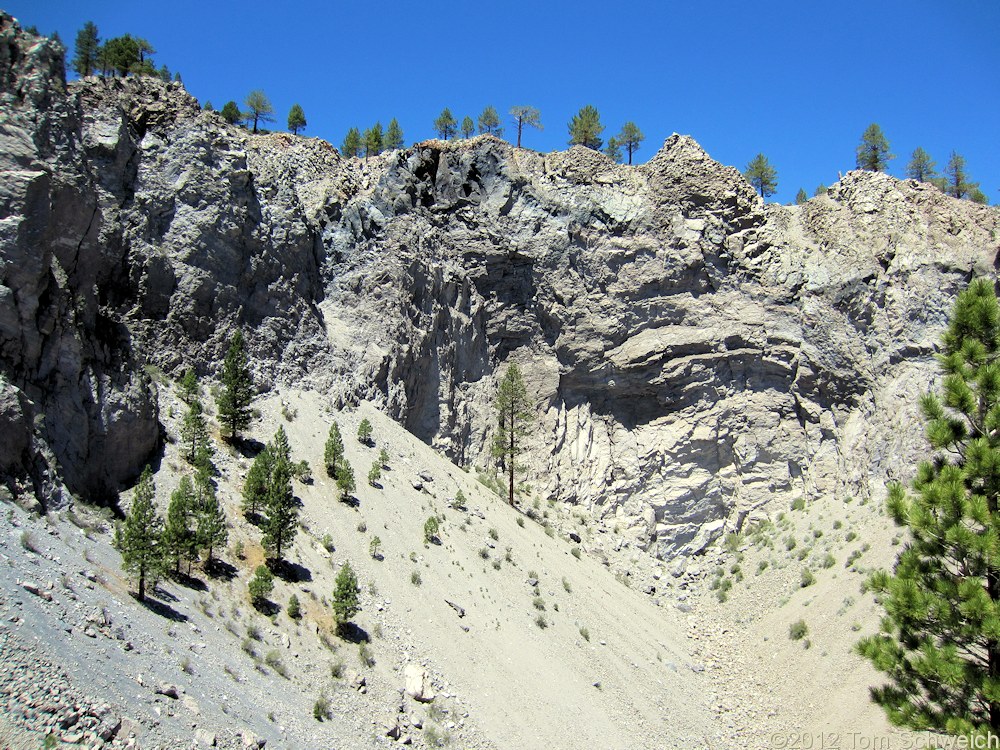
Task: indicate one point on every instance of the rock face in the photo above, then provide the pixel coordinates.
(694, 354)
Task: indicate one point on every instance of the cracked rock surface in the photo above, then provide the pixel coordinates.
(693, 352)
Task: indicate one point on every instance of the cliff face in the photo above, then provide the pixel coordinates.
(694, 354)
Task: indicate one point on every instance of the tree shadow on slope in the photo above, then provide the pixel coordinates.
(220, 569)
(247, 447)
(266, 607)
(188, 581)
(289, 571)
(353, 633)
(161, 608)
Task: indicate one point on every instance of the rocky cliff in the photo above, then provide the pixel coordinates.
(693, 353)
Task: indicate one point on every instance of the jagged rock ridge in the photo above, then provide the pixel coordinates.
(694, 352)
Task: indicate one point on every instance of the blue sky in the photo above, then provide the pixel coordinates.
(798, 81)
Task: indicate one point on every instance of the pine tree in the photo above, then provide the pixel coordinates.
(365, 432)
(208, 106)
(468, 127)
(177, 77)
(281, 508)
(957, 183)
(296, 119)
(525, 117)
(630, 138)
(873, 151)
(978, 196)
(373, 547)
(375, 474)
(585, 128)
(393, 136)
(231, 113)
(279, 447)
(762, 176)
(345, 480)
(939, 642)
(211, 528)
(383, 458)
(613, 149)
(294, 610)
(921, 166)
(179, 540)
(260, 586)
(256, 484)
(194, 431)
(513, 416)
(164, 74)
(801, 197)
(333, 451)
(188, 387)
(444, 125)
(139, 537)
(234, 403)
(351, 146)
(489, 122)
(259, 108)
(372, 140)
(346, 596)
(87, 45)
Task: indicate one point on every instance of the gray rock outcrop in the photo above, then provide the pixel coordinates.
(694, 354)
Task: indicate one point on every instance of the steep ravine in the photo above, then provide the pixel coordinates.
(693, 352)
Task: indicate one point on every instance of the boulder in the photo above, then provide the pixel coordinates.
(418, 683)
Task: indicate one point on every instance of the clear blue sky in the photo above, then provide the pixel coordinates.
(796, 80)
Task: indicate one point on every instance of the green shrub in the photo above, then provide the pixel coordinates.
(733, 542)
(538, 603)
(575, 552)
(828, 560)
(415, 578)
(585, 633)
(294, 610)
(798, 630)
(273, 660)
(520, 521)
(431, 528)
(321, 708)
(365, 655)
(541, 622)
(566, 586)
(807, 579)
(494, 534)
(799, 503)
